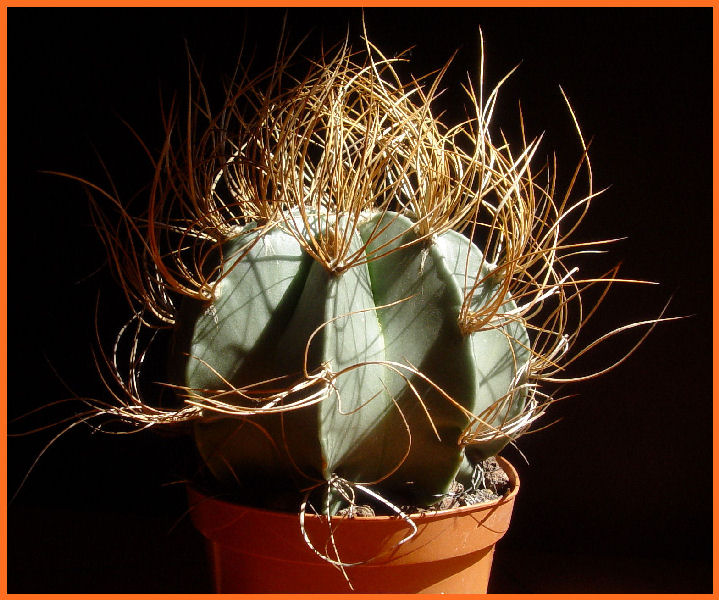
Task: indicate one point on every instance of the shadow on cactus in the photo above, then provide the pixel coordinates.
(355, 292)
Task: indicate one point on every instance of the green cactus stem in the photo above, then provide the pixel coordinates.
(402, 383)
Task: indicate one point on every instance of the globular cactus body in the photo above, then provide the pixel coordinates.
(333, 328)
(384, 378)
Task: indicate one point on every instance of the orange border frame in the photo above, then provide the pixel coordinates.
(363, 3)
(304, 3)
(3, 301)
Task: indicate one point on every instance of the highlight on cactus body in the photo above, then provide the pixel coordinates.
(354, 291)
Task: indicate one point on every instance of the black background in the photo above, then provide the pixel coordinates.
(617, 494)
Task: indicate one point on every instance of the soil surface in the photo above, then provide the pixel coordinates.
(490, 483)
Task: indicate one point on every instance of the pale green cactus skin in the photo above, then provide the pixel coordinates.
(257, 328)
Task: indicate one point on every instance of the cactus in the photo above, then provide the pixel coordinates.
(359, 297)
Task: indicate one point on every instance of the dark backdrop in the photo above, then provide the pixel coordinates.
(617, 494)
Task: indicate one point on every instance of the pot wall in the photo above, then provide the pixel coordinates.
(258, 551)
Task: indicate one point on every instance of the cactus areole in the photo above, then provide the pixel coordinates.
(364, 373)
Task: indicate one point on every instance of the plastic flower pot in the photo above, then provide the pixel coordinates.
(256, 551)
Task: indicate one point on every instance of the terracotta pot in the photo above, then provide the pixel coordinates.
(255, 550)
